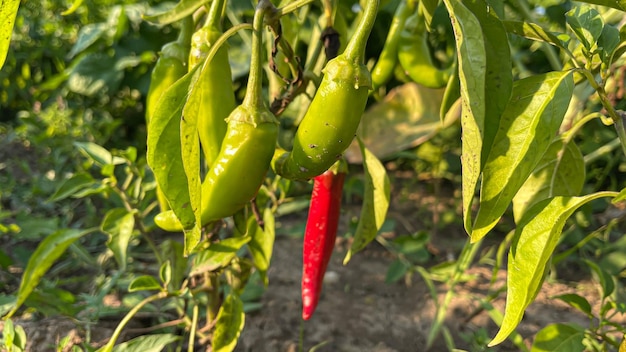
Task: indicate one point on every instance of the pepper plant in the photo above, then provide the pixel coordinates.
(225, 152)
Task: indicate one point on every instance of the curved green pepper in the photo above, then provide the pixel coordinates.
(215, 82)
(244, 158)
(388, 58)
(169, 68)
(415, 58)
(331, 121)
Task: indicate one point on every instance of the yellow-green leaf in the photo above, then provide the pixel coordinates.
(230, 322)
(536, 237)
(532, 118)
(375, 203)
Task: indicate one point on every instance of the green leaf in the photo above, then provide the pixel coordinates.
(230, 322)
(396, 271)
(182, 9)
(164, 154)
(608, 42)
(190, 149)
(559, 338)
(576, 301)
(48, 251)
(262, 242)
(605, 279)
(144, 283)
(98, 154)
(536, 32)
(119, 224)
(173, 253)
(147, 343)
(165, 273)
(72, 185)
(87, 35)
(616, 4)
(533, 116)
(8, 334)
(586, 23)
(218, 255)
(375, 202)
(486, 80)
(34, 228)
(75, 5)
(561, 172)
(536, 237)
(6, 303)
(8, 11)
(94, 75)
(407, 117)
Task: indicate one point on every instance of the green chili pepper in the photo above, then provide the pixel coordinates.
(244, 158)
(169, 68)
(215, 82)
(331, 121)
(414, 55)
(383, 70)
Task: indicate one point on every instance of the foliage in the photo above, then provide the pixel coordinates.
(533, 89)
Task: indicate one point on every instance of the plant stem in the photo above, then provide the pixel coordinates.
(465, 259)
(291, 7)
(355, 50)
(214, 17)
(602, 151)
(615, 116)
(194, 325)
(254, 92)
(118, 330)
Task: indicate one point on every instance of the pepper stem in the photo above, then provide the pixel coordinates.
(214, 17)
(186, 31)
(254, 96)
(355, 51)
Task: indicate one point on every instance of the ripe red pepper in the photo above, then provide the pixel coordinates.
(320, 234)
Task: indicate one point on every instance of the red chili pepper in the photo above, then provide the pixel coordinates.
(319, 235)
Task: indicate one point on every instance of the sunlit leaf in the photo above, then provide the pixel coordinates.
(47, 252)
(561, 172)
(532, 118)
(217, 255)
(230, 322)
(616, 4)
(559, 338)
(164, 153)
(536, 237)
(144, 283)
(147, 343)
(375, 203)
(75, 6)
(182, 9)
(72, 185)
(98, 154)
(587, 24)
(262, 243)
(119, 224)
(405, 118)
(486, 80)
(576, 301)
(8, 11)
(534, 31)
